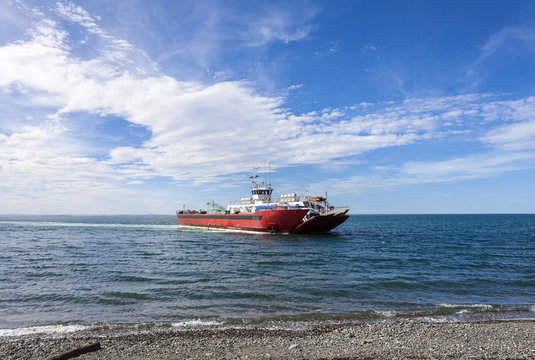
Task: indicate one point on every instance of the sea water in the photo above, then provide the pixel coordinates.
(75, 272)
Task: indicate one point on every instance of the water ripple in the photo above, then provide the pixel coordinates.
(99, 269)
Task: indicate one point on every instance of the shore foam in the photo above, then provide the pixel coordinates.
(45, 329)
(195, 323)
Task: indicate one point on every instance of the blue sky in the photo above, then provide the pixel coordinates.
(135, 107)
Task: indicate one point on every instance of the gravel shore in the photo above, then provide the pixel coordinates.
(373, 340)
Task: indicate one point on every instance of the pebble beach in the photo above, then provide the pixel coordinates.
(370, 340)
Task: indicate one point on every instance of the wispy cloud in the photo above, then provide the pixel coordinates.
(269, 24)
(78, 15)
(510, 39)
(469, 167)
(476, 166)
(508, 44)
(333, 48)
(370, 47)
(208, 31)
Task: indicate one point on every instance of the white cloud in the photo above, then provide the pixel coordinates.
(294, 87)
(517, 131)
(77, 14)
(198, 131)
(40, 171)
(517, 136)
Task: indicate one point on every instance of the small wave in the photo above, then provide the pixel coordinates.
(386, 313)
(46, 329)
(474, 306)
(436, 319)
(126, 295)
(195, 323)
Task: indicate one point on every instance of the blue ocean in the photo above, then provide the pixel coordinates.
(141, 270)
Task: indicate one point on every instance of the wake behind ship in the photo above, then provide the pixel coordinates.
(259, 214)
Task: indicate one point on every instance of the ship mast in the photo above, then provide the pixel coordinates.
(262, 193)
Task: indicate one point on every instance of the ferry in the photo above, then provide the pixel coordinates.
(260, 214)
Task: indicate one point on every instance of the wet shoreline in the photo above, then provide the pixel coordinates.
(375, 340)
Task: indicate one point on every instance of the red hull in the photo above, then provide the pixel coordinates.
(278, 220)
(321, 223)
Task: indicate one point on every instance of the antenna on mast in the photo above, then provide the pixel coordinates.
(269, 171)
(255, 175)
